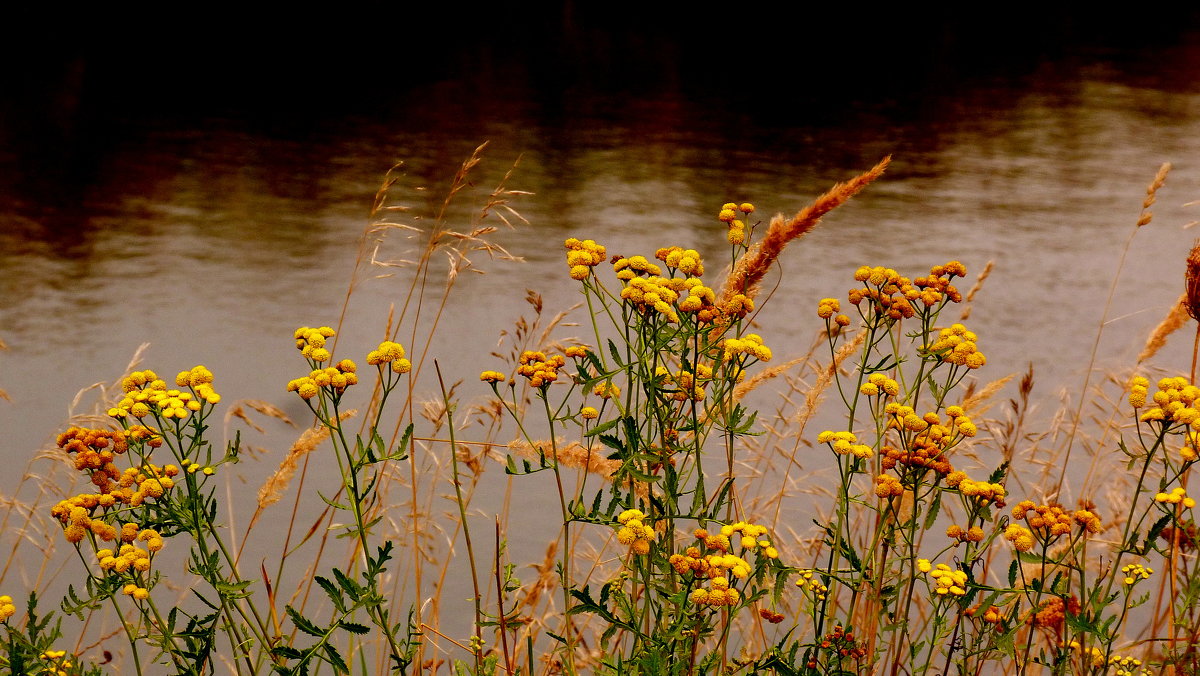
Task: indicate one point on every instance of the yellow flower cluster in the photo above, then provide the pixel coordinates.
(539, 369)
(700, 300)
(577, 351)
(737, 228)
(139, 593)
(657, 294)
(337, 378)
(683, 384)
(946, 581)
(956, 345)
(1175, 401)
(1124, 665)
(738, 305)
(311, 342)
(719, 593)
(809, 583)
(1177, 496)
(844, 443)
(130, 556)
(1135, 572)
(491, 376)
(58, 663)
(876, 383)
(751, 344)
(7, 609)
(888, 486)
(972, 534)
(1139, 388)
(628, 268)
(635, 532)
(752, 538)
(582, 256)
(686, 261)
(828, 307)
(589, 413)
(389, 352)
(144, 389)
(984, 492)
(1020, 536)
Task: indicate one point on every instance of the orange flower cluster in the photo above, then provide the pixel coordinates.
(885, 291)
(993, 615)
(972, 534)
(115, 488)
(843, 643)
(1052, 612)
(539, 369)
(1050, 521)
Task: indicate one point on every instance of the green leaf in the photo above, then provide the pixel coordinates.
(335, 658)
(934, 508)
(602, 427)
(354, 627)
(286, 652)
(302, 623)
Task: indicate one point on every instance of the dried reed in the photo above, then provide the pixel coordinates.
(750, 270)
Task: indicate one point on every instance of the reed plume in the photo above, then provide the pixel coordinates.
(750, 270)
(1175, 319)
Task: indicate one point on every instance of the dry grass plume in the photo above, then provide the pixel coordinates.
(750, 270)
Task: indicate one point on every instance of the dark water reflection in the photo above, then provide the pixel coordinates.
(212, 223)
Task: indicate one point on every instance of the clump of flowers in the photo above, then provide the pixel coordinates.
(809, 582)
(750, 345)
(1050, 521)
(946, 580)
(1177, 496)
(389, 352)
(147, 394)
(844, 443)
(311, 342)
(956, 345)
(635, 532)
(1136, 572)
(539, 369)
(582, 256)
(7, 609)
(737, 227)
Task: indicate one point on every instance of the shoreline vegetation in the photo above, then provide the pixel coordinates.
(936, 544)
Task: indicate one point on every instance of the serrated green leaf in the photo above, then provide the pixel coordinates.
(354, 627)
(303, 623)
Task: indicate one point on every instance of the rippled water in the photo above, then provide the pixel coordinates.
(212, 233)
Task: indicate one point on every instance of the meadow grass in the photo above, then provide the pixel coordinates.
(942, 539)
